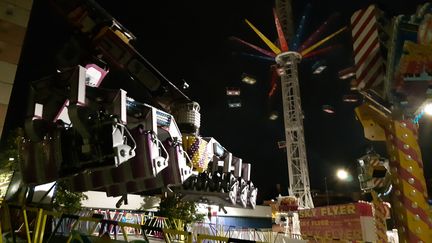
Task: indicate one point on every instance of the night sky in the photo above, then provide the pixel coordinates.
(190, 40)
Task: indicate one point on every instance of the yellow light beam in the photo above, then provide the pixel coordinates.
(270, 44)
(319, 43)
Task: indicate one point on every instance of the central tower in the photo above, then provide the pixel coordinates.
(294, 135)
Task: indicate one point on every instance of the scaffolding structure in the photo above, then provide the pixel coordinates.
(294, 135)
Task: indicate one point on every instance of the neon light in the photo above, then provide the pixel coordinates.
(320, 51)
(259, 49)
(263, 58)
(273, 81)
(270, 44)
(300, 29)
(319, 43)
(282, 41)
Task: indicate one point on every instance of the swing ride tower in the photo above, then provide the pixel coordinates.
(294, 134)
(287, 59)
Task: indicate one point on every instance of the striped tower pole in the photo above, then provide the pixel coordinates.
(380, 218)
(409, 197)
(14, 16)
(410, 194)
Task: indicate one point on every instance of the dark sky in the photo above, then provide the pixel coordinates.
(189, 40)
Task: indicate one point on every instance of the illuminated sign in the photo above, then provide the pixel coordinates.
(416, 64)
(346, 221)
(337, 210)
(416, 68)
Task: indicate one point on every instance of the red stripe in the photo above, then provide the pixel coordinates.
(411, 126)
(378, 182)
(369, 66)
(408, 206)
(411, 237)
(421, 212)
(361, 13)
(366, 54)
(404, 174)
(364, 24)
(414, 156)
(364, 40)
(371, 81)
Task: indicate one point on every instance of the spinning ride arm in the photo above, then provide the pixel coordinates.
(106, 38)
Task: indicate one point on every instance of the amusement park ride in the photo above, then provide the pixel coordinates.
(287, 56)
(100, 139)
(390, 68)
(386, 79)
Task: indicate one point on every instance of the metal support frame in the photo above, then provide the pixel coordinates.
(299, 185)
(155, 228)
(172, 235)
(410, 209)
(284, 11)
